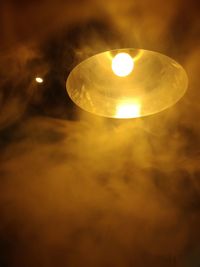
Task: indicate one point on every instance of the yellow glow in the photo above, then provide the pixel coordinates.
(122, 64)
(39, 80)
(128, 110)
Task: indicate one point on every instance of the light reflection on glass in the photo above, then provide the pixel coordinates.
(128, 110)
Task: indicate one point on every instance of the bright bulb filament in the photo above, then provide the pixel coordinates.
(122, 64)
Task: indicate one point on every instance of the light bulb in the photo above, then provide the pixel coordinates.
(122, 64)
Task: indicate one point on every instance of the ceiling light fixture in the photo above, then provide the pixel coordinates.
(127, 83)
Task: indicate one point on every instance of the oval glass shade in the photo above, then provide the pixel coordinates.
(127, 83)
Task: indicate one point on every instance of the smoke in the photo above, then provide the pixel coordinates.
(78, 190)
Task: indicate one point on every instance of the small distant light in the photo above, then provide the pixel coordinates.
(39, 80)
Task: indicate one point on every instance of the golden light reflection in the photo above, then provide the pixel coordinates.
(128, 110)
(122, 64)
(39, 80)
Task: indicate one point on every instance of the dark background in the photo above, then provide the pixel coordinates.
(80, 190)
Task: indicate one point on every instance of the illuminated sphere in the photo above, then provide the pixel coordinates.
(122, 64)
(127, 83)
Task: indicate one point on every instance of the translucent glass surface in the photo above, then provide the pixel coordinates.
(127, 83)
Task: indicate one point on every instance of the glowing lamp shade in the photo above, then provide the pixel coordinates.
(127, 83)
